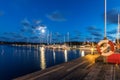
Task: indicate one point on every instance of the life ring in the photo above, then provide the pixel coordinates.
(108, 43)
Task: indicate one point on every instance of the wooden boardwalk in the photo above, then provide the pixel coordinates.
(84, 68)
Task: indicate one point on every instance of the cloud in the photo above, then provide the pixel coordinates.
(9, 33)
(13, 34)
(37, 22)
(110, 37)
(78, 33)
(56, 16)
(97, 34)
(34, 37)
(94, 31)
(41, 27)
(26, 23)
(17, 36)
(23, 30)
(34, 28)
(4, 38)
(97, 38)
(88, 38)
(112, 15)
(114, 31)
(93, 28)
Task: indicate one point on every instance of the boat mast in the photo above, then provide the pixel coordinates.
(118, 31)
(51, 38)
(64, 39)
(105, 21)
(68, 38)
(48, 38)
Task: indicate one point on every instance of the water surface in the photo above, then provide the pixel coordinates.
(16, 61)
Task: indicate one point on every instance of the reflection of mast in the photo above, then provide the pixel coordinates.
(42, 58)
(2, 51)
(65, 55)
(54, 55)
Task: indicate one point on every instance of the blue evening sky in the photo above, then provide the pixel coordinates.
(83, 19)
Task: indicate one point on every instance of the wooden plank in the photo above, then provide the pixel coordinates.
(117, 72)
(92, 75)
(61, 73)
(99, 59)
(74, 70)
(79, 73)
(106, 72)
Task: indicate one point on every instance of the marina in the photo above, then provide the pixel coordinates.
(60, 40)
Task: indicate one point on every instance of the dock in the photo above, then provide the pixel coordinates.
(84, 68)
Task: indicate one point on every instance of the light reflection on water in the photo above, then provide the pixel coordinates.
(54, 55)
(20, 60)
(65, 55)
(82, 53)
(42, 58)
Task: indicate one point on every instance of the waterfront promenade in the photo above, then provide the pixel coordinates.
(84, 68)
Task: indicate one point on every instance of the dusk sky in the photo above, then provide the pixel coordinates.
(83, 19)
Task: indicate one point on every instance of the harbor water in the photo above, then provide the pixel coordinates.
(19, 60)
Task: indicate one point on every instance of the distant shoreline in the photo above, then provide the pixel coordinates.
(27, 43)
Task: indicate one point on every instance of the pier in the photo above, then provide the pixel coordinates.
(85, 68)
